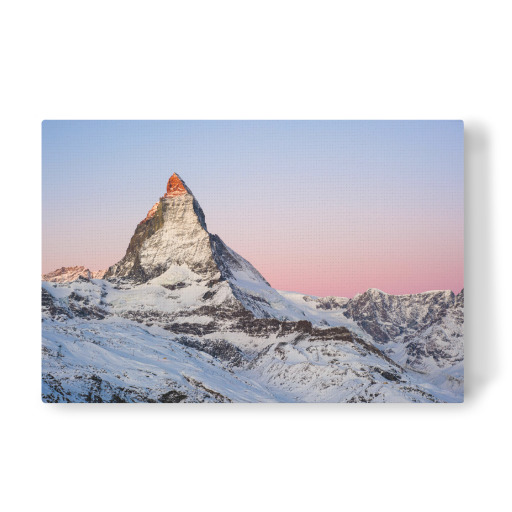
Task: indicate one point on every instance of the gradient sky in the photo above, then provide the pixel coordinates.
(320, 207)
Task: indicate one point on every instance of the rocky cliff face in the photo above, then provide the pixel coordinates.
(173, 233)
(423, 332)
(386, 316)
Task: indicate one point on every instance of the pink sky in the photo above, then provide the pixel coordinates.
(323, 208)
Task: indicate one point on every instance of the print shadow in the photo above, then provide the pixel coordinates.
(480, 347)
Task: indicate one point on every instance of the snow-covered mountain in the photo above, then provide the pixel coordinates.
(68, 274)
(182, 317)
(423, 332)
(173, 247)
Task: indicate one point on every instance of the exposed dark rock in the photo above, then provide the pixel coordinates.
(143, 231)
(172, 397)
(218, 397)
(219, 348)
(208, 295)
(390, 376)
(186, 328)
(385, 317)
(49, 306)
(176, 286)
(81, 307)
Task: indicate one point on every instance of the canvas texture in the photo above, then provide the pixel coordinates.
(253, 261)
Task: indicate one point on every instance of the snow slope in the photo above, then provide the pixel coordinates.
(102, 342)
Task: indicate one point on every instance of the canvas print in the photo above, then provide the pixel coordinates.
(252, 261)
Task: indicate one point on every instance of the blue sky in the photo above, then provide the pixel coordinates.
(323, 205)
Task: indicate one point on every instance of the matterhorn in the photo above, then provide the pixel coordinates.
(184, 318)
(172, 246)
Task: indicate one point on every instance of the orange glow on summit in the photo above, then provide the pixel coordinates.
(175, 188)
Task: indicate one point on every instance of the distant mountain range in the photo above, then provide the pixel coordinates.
(69, 274)
(183, 318)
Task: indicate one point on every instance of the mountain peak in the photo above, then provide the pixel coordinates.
(173, 233)
(175, 187)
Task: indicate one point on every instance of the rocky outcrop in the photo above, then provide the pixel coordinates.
(386, 316)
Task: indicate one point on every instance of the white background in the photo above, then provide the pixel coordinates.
(261, 60)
